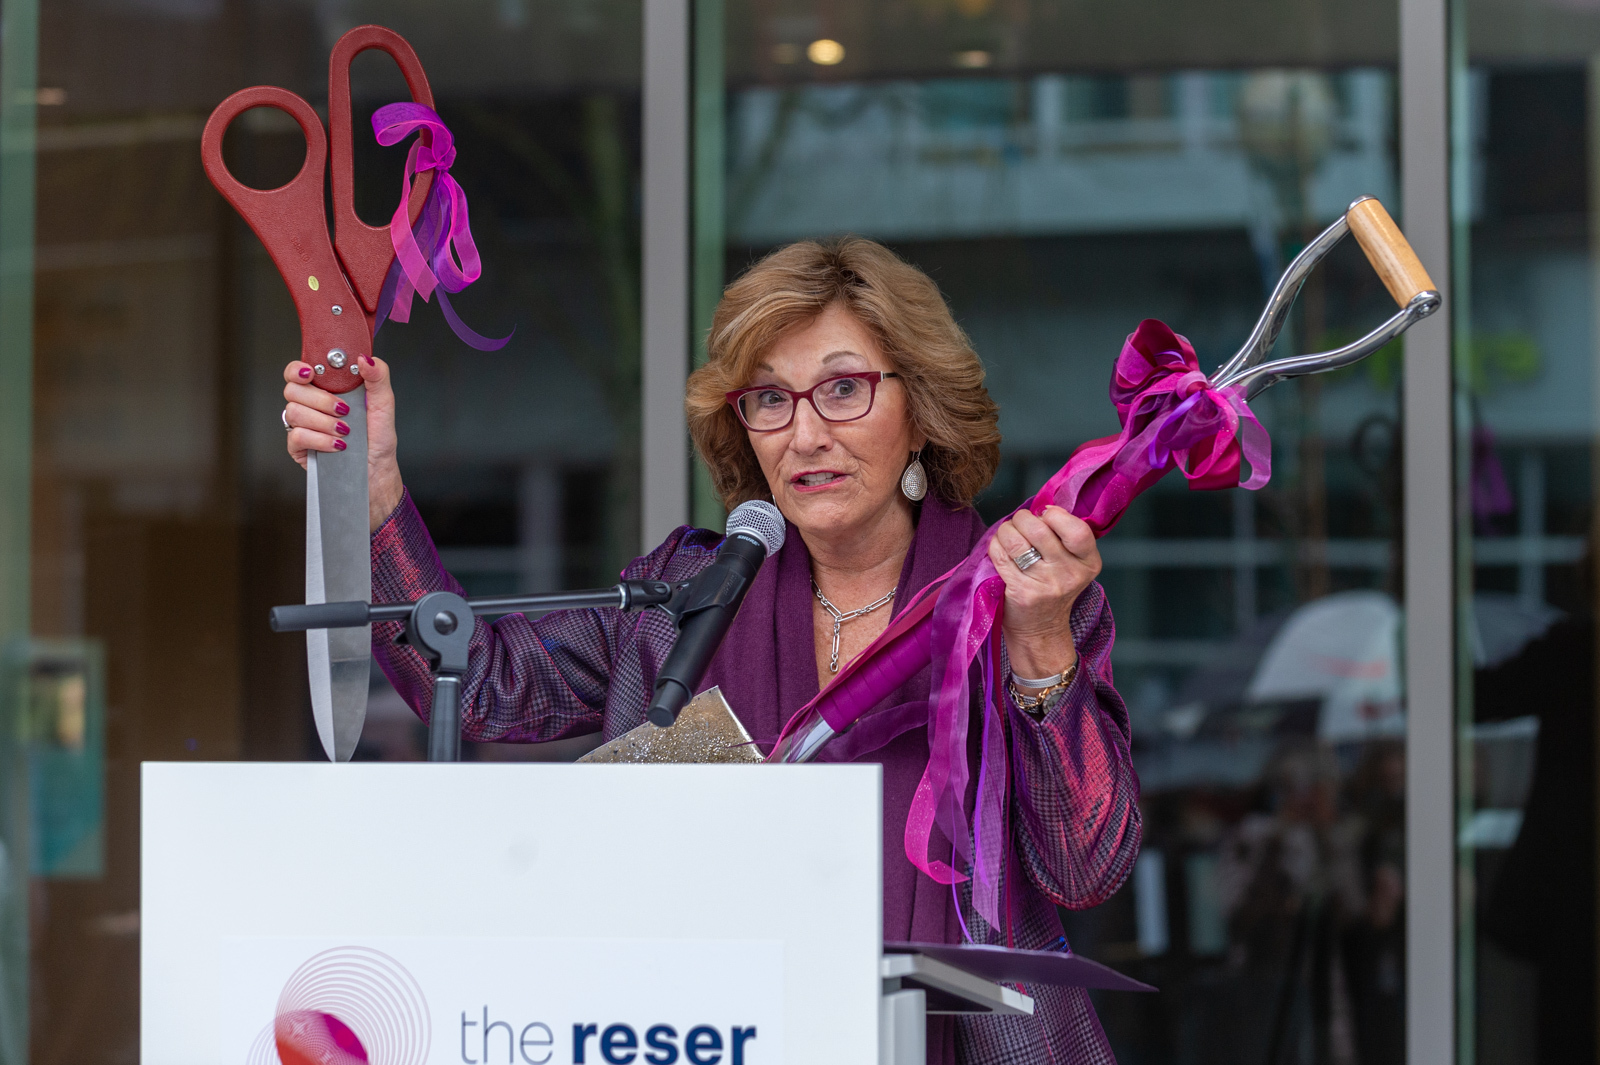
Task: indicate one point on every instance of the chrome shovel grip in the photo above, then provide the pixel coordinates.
(1397, 265)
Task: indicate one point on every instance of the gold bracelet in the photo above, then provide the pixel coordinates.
(1042, 701)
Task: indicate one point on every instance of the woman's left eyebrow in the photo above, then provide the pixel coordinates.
(833, 356)
(827, 360)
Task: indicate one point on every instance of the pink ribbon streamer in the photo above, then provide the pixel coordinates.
(440, 255)
(1172, 418)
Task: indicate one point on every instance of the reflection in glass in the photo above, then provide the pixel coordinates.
(1061, 186)
(166, 516)
(1525, 255)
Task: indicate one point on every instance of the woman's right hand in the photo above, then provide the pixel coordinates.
(316, 423)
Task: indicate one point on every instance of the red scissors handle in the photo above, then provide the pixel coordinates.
(293, 225)
(366, 250)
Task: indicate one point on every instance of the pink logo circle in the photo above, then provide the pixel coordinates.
(347, 1006)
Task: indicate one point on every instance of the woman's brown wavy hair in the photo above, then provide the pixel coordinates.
(905, 312)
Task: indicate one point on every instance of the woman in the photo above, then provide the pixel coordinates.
(837, 381)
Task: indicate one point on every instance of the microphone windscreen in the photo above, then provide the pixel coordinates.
(760, 521)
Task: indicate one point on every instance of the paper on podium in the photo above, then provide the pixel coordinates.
(706, 732)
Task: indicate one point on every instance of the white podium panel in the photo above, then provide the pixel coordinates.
(402, 914)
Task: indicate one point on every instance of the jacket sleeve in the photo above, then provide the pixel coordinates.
(1076, 805)
(526, 681)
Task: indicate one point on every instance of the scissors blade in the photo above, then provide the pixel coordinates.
(339, 569)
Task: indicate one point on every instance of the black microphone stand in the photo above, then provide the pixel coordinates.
(439, 626)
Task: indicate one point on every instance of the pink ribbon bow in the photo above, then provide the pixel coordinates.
(1171, 418)
(439, 256)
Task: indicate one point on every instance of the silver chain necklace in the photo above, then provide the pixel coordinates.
(840, 617)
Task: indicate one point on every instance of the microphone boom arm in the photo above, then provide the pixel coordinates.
(439, 626)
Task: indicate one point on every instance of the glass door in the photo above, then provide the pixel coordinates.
(1524, 144)
(167, 517)
(1064, 171)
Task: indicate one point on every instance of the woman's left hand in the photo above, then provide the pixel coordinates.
(1039, 600)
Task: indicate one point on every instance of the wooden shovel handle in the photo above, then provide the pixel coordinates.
(1387, 251)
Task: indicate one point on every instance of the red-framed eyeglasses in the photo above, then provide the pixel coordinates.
(768, 408)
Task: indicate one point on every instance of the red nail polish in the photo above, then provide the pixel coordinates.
(305, 371)
(368, 360)
(344, 430)
(341, 408)
(339, 445)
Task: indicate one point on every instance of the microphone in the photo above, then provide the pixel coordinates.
(755, 530)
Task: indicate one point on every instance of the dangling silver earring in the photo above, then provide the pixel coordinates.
(914, 482)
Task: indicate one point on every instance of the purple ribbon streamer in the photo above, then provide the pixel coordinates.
(439, 255)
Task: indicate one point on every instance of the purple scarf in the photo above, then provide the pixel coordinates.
(767, 668)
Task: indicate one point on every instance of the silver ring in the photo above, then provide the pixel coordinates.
(285, 416)
(1027, 558)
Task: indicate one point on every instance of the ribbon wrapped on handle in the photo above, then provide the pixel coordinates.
(1172, 418)
(439, 255)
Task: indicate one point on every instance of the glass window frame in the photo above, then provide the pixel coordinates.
(1434, 558)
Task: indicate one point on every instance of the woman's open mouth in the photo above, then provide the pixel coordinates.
(818, 479)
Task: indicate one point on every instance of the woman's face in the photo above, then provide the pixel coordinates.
(835, 478)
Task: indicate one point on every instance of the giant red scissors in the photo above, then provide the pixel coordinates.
(336, 287)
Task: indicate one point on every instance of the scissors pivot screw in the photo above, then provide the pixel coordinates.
(321, 369)
(337, 358)
(337, 310)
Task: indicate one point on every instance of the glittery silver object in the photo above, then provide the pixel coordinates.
(706, 732)
(914, 482)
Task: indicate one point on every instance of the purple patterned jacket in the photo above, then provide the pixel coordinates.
(1074, 796)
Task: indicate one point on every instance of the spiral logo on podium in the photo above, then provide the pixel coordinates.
(347, 1006)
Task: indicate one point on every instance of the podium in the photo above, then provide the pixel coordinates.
(527, 914)
(915, 985)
